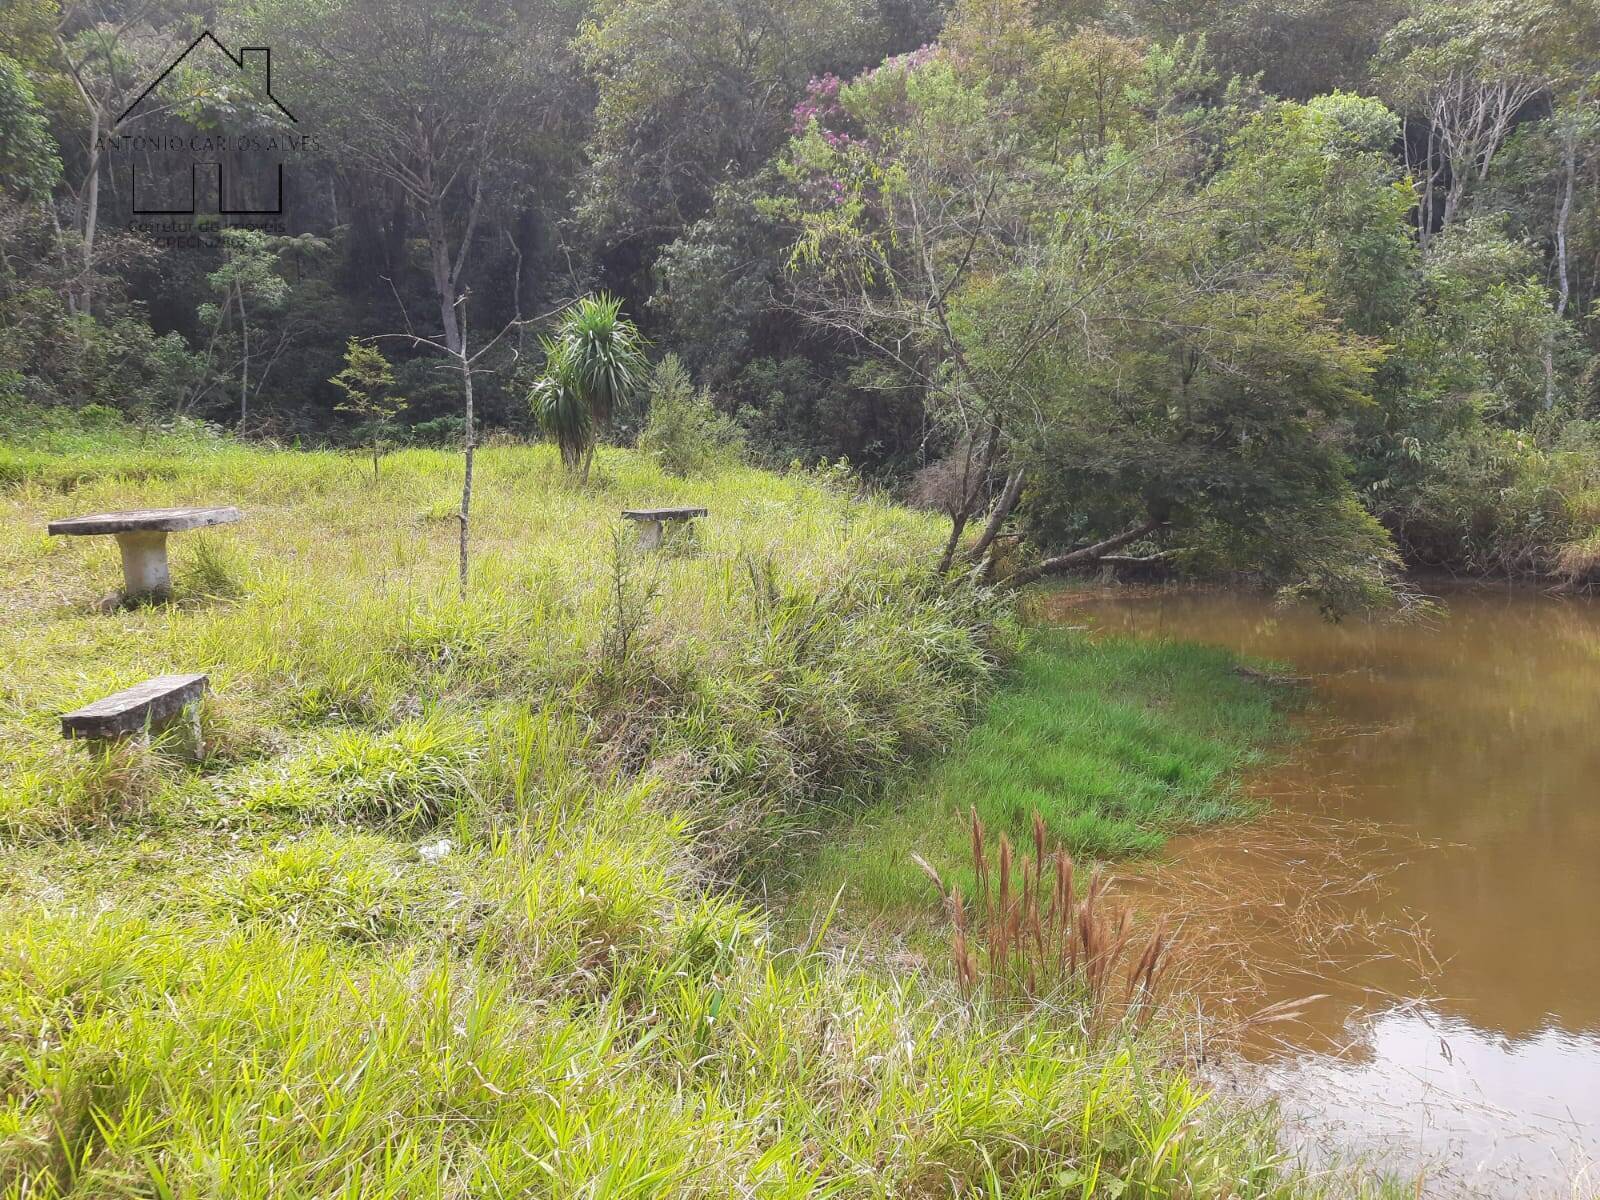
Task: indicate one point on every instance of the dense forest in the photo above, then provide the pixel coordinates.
(1300, 292)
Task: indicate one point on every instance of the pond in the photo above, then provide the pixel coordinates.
(1431, 867)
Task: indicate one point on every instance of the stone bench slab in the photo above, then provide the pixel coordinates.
(146, 705)
(662, 514)
(146, 520)
(653, 522)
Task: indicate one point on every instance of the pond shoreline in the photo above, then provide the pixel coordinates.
(1311, 977)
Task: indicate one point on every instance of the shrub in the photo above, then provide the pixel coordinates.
(594, 366)
(446, 431)
(685, 433)
(1501, 502)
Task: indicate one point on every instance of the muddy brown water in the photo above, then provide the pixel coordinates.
(1431, 868)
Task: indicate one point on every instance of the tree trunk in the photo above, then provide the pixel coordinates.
(1084, 555)
(439, 261)
(1569, 165)
(958, 525)
(1452, 199)
(1002, 509)
(971, 488)
(466, 486)
(89, 217)
(61, 252)
(455, 340)
(1425, 214)
(244, 359)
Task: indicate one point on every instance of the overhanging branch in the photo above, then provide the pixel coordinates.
(1084, 555)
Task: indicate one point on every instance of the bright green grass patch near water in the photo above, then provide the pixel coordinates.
(1116, 742)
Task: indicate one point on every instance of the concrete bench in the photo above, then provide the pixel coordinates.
(142, 536)
(151, 706)
(653, 522)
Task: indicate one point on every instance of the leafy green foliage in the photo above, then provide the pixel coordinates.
(983, 185)
(1161, 343)
(684, 432)
(688, 95)
(29, 162)
(367, 382)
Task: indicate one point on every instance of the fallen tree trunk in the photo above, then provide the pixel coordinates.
(1083, 556)
(982, 554)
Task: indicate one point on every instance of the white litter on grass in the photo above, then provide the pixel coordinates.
(432, 852)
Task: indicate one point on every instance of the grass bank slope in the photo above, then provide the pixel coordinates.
(439, 914)
(1115, 742)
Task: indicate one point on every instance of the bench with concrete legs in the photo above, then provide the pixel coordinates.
(142, 536)
(653, 522)
(150, 707)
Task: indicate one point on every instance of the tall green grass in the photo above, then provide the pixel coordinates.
(1116, 742)
(444, 911)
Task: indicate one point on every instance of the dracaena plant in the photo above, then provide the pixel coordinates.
(559, 407)
(594, 367)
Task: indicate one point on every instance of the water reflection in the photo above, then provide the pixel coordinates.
(1480, 1113)
(1479, 732)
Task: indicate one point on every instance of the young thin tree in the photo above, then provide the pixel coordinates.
(367, 382)
(247, 282)
(465, 361)
(107, 52)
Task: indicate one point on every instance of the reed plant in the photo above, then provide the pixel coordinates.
(1026, 934)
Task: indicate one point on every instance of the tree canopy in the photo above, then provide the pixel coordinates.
(1295, 291)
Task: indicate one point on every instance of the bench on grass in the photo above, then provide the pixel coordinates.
(653, 522)
(152, 706)
(142, 536)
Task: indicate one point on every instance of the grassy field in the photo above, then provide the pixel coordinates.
(446, 911)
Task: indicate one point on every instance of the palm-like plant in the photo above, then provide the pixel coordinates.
(594, 366)
(559, 406)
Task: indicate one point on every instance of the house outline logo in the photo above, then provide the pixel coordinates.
(238, 61)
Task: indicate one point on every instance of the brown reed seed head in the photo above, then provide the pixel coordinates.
(1030, 941)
